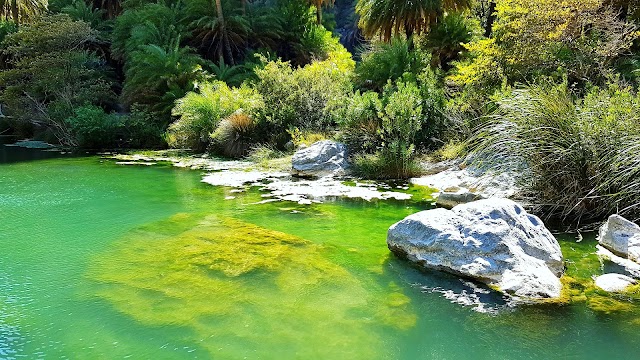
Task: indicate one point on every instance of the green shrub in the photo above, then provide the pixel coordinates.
(401, 123)
(6, 28)
(388, 61)
(583, 154)
(81, 10)
(95, 129)
(199, 113)
(361, 122)
(142, 130)
(316, 44)
(277, 86)
(306, 138)
(235, 135)
(382, 132)
(383, 166)
(302, 98)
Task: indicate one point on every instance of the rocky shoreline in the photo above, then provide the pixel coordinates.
(485, 236)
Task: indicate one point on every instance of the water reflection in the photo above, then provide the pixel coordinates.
(476, 296)
(9, 153)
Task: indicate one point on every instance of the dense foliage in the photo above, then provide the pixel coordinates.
(583, 153)
(54, 70)
(392, 79)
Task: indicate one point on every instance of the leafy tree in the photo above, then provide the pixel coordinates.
(577, 39)
(391, 17)
(53, 72)
(6, 28)
(303, 97)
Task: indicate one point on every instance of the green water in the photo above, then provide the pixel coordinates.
(105, 261)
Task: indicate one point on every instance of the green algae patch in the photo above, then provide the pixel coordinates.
(246, 290)
(578, 285)
(420, 194)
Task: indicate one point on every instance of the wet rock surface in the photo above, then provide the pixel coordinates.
(494, 241)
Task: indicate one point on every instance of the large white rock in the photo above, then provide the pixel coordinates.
(493, 240)
(614, 282)
(621, 236)
(322, 158)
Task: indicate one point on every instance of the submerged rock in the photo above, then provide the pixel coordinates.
(494, 241)
(322, 158)
(614, 282)
(622, 237)
(32, 144)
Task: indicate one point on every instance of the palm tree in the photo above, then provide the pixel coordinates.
(158, 76)
(319, 4)
(112, 8)
(219, 33)
(389, 17)
(20, 10)
(232, 75)
(266, 28)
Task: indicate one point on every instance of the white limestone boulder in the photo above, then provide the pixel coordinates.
(621, 237)
(494, 241)
(614, 282)
(320, 159)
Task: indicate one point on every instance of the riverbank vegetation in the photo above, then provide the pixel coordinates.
(552, 86)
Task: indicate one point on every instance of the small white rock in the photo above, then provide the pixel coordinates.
(614, 282)
(622, 237)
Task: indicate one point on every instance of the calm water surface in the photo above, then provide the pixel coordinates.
(102, 261)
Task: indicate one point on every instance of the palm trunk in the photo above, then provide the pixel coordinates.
(488, 28)
(2, 4)
(319, 14)
(14, 11)
(223, 30)
(408, 31)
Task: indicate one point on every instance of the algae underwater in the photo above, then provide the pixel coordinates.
(100, 260)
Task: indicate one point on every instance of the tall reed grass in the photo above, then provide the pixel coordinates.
(582, 154)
